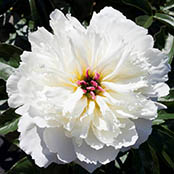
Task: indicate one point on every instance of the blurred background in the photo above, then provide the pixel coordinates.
(20, 17)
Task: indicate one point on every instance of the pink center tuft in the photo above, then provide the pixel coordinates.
(90, 85)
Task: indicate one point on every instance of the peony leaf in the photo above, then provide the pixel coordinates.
(165, 18)
(144, 21)
(10, 55)
(8, 121)
(157, 121)
(8, 115)
(160, 37)
(34, 12)
(169, 5)
(156, 168)
(143, 5)
(5, 71)
(165, 148)
(65, 169)
(9, 127)
(23, 166)
(168, 159)
(166, 116)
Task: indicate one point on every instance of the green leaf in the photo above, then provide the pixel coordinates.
(168, 159)
(10, 55)
(169, 5)
(8, 115)
(5, 71)
(157, 121)
(169, 20)
(166, 116)
(160, 37)
(8, 121)
(10, 126)
(162, 140)
(143, 5)
(144, 21)
(165, 130)
(120, 160)
(156, 166)
(23, 166)
(34, 13)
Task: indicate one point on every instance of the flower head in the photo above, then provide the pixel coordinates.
(87, 93)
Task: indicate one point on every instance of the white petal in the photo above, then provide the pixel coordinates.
(161, 89)
(12, 83)
(81, 126)
(79, 107)
(105, 136)
(92, 141)
(57, 21)
(128, 135)
(38, 38)
(144, 129)
(160, 106)
(91, 107)
(31, 142)
(106, 16)
(91, 156)
(149, 111)
(15, 100)
(89, 167)
(57, 142)
(71, 102)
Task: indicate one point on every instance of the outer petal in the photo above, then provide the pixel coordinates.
(38, 38)
(91, 156)
(15, 99)
(57, 142)
(32, 143)
(128, 135)
(106, 16)
(89, 167)
(144, 129)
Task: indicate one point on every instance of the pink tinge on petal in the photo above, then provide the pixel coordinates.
(92, 88)
(92, 95)
(97, 76)
(87, 73)
(100, 89)
(93, 83)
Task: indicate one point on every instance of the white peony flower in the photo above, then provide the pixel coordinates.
(87, 93)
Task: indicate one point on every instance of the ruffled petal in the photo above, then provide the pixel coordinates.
(144, 129)
(89, 167)
(91, 156)
(57, 142)
(31, 142)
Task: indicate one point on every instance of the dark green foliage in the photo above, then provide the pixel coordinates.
(19, 17)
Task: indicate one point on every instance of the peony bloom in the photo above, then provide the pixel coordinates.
(85, 94)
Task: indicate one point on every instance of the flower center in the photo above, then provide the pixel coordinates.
(90, 85)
